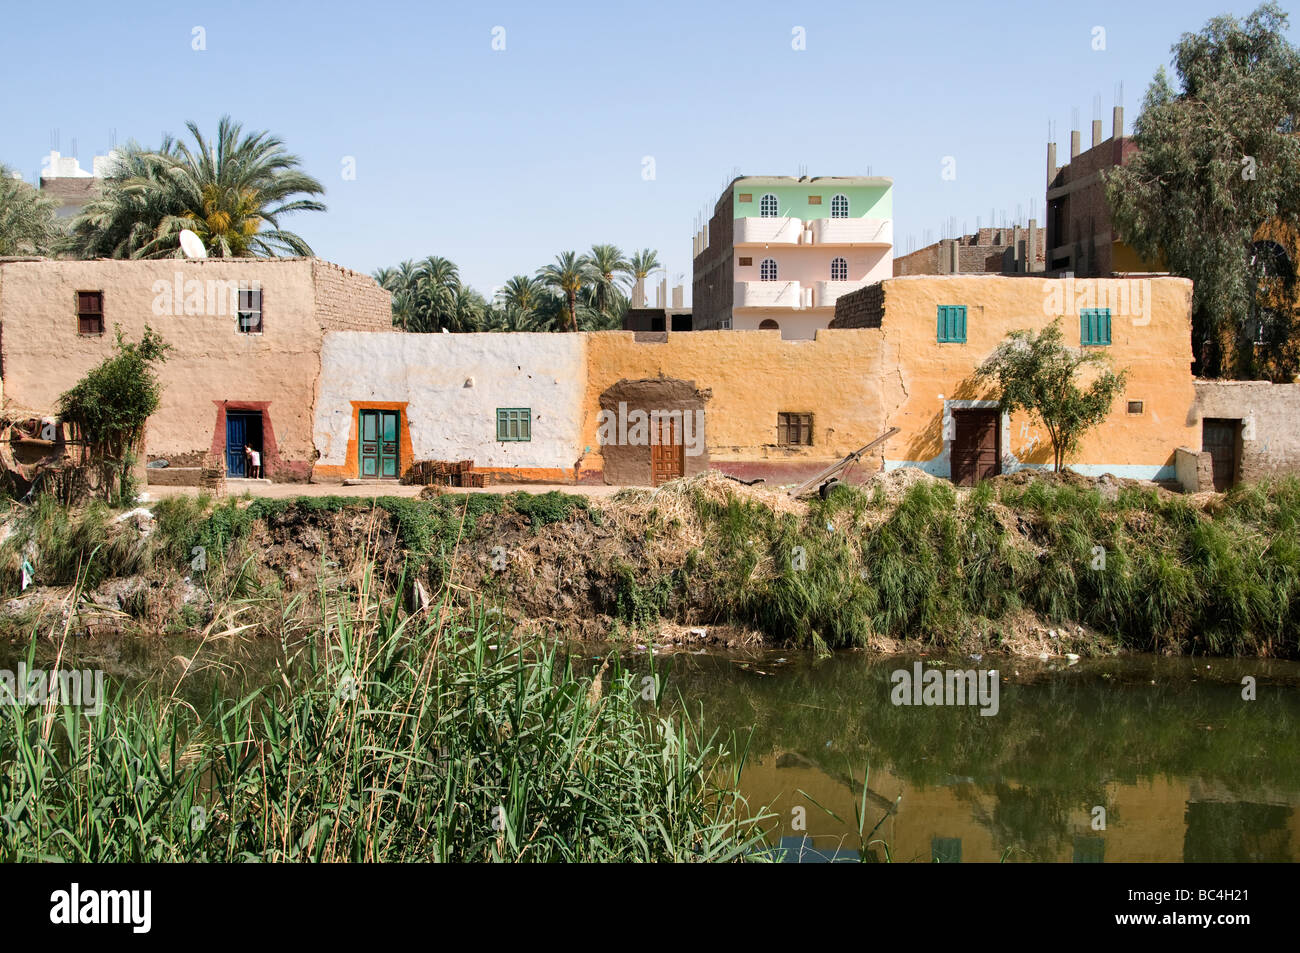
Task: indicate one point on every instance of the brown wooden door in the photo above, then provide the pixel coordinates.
(1219, 437)
(668, 456)
(976, 445)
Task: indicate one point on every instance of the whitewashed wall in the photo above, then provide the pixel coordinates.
(453, 384)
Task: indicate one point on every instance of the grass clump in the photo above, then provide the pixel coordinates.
(379, 740)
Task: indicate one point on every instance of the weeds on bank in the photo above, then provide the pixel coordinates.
(385, 738)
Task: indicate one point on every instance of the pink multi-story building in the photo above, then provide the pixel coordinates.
(779, 251)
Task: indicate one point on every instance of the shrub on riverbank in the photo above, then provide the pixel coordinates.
(1146, 567)
(905, 558)
(428, 738)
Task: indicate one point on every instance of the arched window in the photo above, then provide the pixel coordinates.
(767, 324)
(840, 206)
(768, 206)
(839, 269)
(1271, 260)
(767, 270)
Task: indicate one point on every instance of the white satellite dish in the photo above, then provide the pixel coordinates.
(192, 245)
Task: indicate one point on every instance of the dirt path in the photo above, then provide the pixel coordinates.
(288, 490)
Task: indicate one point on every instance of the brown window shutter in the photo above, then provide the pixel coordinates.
(745, 197)
(814, 200)
(746, 262)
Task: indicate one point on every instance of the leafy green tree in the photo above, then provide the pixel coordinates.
(569, 274)
(1218, 158)
(110, 406)
(27, 225)
(232, 191)
(1039, 374)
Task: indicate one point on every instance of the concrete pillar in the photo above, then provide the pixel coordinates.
(1117, 122)
(1096, 132)
(1074, 143)
(1017, 253)
(1051, 162)
(1031, 250)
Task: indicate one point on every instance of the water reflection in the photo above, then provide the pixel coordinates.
(1181, 765)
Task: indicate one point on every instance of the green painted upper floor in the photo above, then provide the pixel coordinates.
(812, 198)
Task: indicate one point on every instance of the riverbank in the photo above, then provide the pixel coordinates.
(1028, 564)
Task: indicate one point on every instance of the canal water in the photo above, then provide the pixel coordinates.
(1136, 758)
(1141, 758)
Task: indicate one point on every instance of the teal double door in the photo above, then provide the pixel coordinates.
(379, 447)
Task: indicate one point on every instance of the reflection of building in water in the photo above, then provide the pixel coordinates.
(1159, 819)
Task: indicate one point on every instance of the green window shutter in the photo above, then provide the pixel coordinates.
(952, 324)
(514, 423)
(1094, 327)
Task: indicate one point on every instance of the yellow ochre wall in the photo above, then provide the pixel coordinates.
(858, 382)
(1154, 345)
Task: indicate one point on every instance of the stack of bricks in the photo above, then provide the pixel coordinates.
(212, 477)
(444, 473)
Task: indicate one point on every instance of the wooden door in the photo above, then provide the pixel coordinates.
(236, 437)
(378, 446)
(976, 445)
(1219, 437)
(668, 456)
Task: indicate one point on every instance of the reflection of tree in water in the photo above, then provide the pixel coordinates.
(1237, 832)
(1058, 743)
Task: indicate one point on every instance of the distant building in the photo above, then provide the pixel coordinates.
(657, 319)
(988, 251)
(1080, 237)
(780, 250)
(63, 178)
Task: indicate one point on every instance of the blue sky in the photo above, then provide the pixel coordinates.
(498, 159)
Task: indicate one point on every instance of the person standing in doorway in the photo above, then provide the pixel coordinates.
(254, 461)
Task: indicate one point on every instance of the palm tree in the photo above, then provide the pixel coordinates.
(511, 317)
(639, 267)
(26, 217)
(231, 191)
(606, 261)
(569, 274)
(523, 293)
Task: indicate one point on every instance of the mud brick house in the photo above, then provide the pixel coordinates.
(642, 408)
(1248, 431)
(937, 330)
(246, 338)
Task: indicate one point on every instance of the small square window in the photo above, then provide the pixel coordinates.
(814, 200)
(952, 324)
(794, 430)
(514, 424)
(1094, 327)
(746, 262)
(90, 312)
(745, 197)
(1135, 406)
(250, 310)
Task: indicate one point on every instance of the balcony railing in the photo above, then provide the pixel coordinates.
(768, 294)
(828, 291)
(767, 231)
(853, 231)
